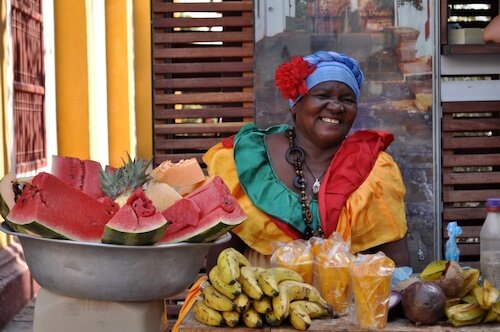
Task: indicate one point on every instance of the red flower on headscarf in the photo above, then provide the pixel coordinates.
(290, 77)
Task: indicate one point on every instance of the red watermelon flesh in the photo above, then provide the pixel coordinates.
(203, 215)
(52, 208)
(136, 223)
(81, 174)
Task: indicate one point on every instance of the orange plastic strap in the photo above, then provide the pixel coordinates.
(193, 293)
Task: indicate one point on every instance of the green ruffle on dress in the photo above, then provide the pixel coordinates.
(260, 182)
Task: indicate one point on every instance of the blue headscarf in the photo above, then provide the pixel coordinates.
(333, 66)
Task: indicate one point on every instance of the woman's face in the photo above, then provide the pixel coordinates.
(326, 114)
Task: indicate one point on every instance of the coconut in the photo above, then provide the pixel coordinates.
(424, 303)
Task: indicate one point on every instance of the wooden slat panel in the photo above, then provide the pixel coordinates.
(449, 142)
(471, 160)
(478, 213)
(471, 106)
(195, 143)
(177, 157)
(204, 67)
(184, 22)
(469, 195)
(471, 124)
(228, 112)
(216, 82)
(194, 128)
(467, 231)
(225, 6)
(202, 52)
(468, 249)
(471, 178)
(205, 98)
(192, 37)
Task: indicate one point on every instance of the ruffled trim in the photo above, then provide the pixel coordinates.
(268, 194)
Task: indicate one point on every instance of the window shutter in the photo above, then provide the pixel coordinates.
(29, 83)
(202, 75)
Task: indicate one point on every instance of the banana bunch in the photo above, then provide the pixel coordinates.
(238, 292)
(480, 305)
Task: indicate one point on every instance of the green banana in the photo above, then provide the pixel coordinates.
(206, 315)
(252, 318)
(231, 291)
(270, 278)
(215, 299)
(249, 283)
(229, 262)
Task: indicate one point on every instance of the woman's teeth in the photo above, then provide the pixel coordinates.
(330, 120)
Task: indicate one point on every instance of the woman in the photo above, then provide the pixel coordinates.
(314, 178)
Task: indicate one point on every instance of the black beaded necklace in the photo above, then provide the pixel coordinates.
(296, 156)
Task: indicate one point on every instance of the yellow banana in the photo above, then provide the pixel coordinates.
(231, 291)
(270, 278)
(272, 320)
(215, 299)
(242, 303)
(300, 320)
(229, 262)
(263, 305)
(313, 309)
(206, 315)
(290, 290)
(232, 318)
(252, 318)
(249, 283)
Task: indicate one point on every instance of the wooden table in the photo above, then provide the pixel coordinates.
(342, 324)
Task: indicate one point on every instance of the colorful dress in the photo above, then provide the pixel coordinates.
(361, 194)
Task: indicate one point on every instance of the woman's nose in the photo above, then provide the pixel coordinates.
(335, 105)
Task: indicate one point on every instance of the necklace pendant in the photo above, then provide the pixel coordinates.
(316, 186)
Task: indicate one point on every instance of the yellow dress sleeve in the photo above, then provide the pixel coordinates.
(257, 231)
(375, 213)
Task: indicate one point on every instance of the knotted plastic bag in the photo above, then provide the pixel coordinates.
(452, 252)
(331, 261)
(295, 255)
(371, 277)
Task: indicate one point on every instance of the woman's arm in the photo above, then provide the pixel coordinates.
(397, 251)
(491, 33)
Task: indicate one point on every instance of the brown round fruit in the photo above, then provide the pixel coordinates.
(424, 303)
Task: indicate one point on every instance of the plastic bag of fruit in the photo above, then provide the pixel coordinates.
(371, 276)
(331, 271)
(295, 255)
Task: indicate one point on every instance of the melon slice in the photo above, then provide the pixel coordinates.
(162, 195)
(183, 173)
(204, 215)
(80, 174)
(136, 223)
(52, 208)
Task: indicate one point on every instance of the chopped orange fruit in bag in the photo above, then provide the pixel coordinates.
(371, 284)
(296, 256)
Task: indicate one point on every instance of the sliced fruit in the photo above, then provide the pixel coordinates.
(182, 173)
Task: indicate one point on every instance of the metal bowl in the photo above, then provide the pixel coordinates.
(107, 272)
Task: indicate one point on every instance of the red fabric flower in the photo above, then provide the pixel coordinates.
(291, 77)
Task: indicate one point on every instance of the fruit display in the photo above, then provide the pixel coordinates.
(238, 293)
(82, 201)
(447, 291)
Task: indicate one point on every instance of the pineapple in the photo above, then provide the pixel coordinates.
(119, 184)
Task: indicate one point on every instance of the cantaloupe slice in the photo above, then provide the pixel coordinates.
(177, 174)
(186, 190)
(161, 194)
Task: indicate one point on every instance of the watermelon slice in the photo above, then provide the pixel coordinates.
(136, 223)
(52, 208)
(80, 174)
(204, 215)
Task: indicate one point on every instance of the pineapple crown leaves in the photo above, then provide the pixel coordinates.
(124, 180)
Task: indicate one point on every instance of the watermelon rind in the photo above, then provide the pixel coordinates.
(4, 208)
(36, 229)
(212, 233)
(114, 236)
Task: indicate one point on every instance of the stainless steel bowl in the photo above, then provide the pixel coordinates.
(109, 272)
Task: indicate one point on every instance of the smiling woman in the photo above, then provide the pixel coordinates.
(315, 177)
